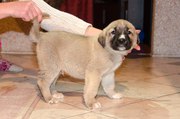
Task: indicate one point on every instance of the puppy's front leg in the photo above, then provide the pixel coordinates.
(108, 84)
(92, 82)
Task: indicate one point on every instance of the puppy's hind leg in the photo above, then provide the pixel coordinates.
(50, 71)
(54, 91)
(45, 84)
(108, 84)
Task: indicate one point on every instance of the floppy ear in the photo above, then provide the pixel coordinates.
(101, 40)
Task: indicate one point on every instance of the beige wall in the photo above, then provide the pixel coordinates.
(13, 35)
(166, 28)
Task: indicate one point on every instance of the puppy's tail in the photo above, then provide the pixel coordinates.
(35, 29)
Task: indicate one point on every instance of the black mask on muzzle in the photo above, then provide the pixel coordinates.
(121, 43)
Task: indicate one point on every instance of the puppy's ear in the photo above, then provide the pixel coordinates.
(138, 32)
(136, 46)
(101, 40)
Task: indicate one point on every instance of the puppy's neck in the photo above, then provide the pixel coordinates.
(117, 58)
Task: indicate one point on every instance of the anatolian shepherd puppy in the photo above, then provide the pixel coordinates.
(94, 59)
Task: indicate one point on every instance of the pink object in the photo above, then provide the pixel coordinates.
(137, 47)
(4, 65)
(0, 43)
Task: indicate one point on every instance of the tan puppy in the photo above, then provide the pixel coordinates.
(94, 59)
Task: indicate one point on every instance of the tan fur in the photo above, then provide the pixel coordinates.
(80, 57)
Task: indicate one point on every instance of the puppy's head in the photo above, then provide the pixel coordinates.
(119, 36)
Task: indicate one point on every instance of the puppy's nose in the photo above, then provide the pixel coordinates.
(122, 40)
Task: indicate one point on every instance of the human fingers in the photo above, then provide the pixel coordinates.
(26, 17)
(29, 15)
(31, 11)
(34, 12)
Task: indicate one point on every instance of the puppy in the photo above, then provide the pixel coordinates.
(94, 59)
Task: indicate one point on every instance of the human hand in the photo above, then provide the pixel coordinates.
(27, 10)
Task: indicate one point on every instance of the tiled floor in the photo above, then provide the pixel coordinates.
(151, 89)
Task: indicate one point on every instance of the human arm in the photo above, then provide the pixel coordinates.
(26, 10)
(91, 31)
(63, 21)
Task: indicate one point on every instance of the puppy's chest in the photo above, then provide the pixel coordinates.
(115, 64)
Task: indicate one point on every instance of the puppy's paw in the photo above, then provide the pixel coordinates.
(97, 105)
(116, 96)
(56, 97)
(94, 106)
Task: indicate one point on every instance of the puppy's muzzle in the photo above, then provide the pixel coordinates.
(121, 44)
(124, 44)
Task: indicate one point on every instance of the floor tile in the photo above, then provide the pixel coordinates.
(91, 116)
(55, 111)
(145, 90)
(16, 97)
(171, 103)
(142, 110)
(76, 99)
(150, 86)
(170, 80)
(167, 107)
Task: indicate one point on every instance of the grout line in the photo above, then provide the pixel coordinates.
(31, 108)
(154, 99)
(75, 115)
(145, 80)
(165, 75)
(92, 112)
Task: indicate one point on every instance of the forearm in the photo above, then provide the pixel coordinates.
(60, 20)
(5, 10)
(92, 31)
(26, 10)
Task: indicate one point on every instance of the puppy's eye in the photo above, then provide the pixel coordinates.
(129, 32)
(113, 32)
